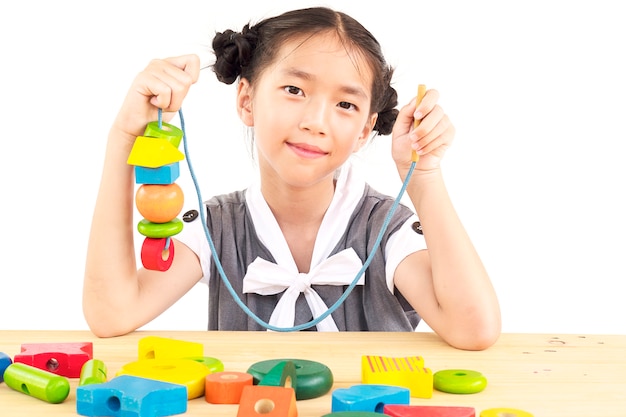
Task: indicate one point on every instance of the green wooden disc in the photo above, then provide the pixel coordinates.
(313, 379)
(159, 230)
(459, 381)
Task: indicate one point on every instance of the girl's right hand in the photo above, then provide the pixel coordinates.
(163, 84)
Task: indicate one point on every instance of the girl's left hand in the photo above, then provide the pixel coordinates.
(430, 139)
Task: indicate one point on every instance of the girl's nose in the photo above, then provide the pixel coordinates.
(315, 117)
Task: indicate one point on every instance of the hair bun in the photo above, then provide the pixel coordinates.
(233, 51)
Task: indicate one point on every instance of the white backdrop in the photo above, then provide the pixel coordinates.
(536, 90)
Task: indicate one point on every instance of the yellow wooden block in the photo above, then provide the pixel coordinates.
(185, 372)
(155, 347)
(153, 152)
(408, 372)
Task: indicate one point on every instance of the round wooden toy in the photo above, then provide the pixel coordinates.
(226, 387)
(159, 230)
(504, 412)
(459, 381)
(154, 256)
(313, 379)
(159, 203)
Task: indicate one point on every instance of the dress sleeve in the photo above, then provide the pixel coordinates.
(401, 244)
(193, 236)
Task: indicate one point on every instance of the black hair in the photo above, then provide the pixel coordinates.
(247, 53)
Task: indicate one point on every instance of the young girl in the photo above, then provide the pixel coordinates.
(314, 86)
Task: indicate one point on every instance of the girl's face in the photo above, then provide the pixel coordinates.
(310, 110)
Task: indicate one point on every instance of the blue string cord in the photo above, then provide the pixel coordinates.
(220, 269)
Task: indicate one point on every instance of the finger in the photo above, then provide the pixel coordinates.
(441, 135)
(426, 104)
(190, 64)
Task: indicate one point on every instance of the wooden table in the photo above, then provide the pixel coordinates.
(543, 374)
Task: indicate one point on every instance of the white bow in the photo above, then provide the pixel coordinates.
(267, 278)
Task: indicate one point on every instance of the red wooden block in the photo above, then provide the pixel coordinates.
(65, 359)
(395, 410)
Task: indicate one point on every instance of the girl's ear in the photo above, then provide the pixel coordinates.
(244, 102)
(366, 132)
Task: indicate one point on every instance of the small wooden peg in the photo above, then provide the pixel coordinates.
(421, 91)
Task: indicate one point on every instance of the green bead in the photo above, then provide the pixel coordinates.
(313, 379)
(214, 364)
(167, 131)
(159, 230)
(459, 381)
(93, 372)
(37, 383)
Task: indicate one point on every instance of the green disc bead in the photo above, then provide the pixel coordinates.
(37, 383)
(459, 381)
(215, 365)
(167, 131)
(159, 230)
(313, 379)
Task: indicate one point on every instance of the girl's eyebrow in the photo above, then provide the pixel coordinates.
(303, 75)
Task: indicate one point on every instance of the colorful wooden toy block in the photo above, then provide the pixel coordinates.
(282, 375)
(166, 131)
(408, 372)
(368, 397)
(353, 414)
(504, 412)
(393, 410)
(186, 372)
(159, 203)
(459, 381)
(226, 387)
(313, 378)
(5, 361)
(130, 396)
(267, 401)
(157, 254)
(159, 230)
(153, 152)
(156, 347)
(37, 383)
(94, 371)
(65, 359)
(214, 364)
(166, 174)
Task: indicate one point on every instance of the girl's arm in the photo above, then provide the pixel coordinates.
(117, 298)
(447, 284)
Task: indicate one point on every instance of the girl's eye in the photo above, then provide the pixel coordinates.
(346, 105)
(293, 90)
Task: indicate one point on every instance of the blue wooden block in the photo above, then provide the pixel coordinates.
(162, 175)
(131, 396)
(5, 361)
(369, 397)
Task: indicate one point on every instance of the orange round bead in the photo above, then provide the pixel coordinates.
(159, 203)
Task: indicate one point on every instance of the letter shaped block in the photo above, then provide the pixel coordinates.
(5, 361)
(130, 396)
(428, 411)
(369, 397)
(267, 401)
(314, 379)
(65, 359)
(155, 347)
(408, 372)
(185, 372)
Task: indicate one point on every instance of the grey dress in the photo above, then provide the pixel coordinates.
(369, 307)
